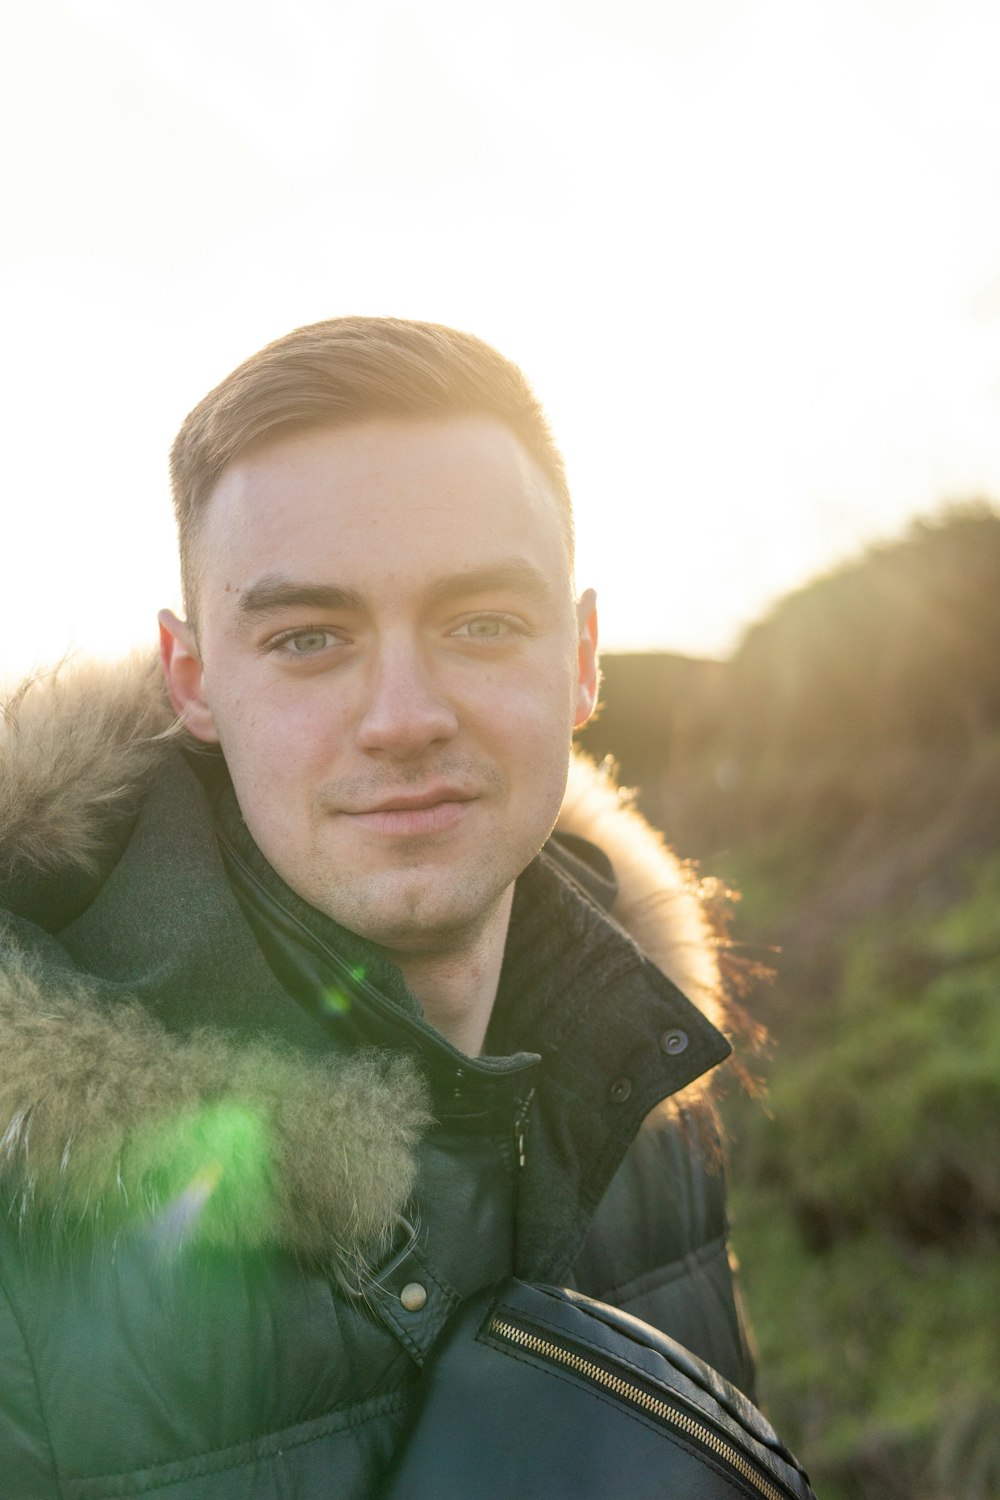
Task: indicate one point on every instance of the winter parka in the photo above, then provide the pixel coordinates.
(243, 1183)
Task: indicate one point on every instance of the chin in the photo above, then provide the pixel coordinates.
(419, 918)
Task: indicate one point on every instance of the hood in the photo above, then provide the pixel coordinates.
(107, 1117)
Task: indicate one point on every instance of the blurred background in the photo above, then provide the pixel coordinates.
(748, 251)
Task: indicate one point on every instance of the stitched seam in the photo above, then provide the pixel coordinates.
(653, 1280)
(207, 1453)
(214, 1460)
(37, 1384)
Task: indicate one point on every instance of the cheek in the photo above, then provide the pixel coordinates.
(544, 699)
(275, 741)
(527, 717)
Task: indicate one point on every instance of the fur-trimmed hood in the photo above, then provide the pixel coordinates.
(105, 1115)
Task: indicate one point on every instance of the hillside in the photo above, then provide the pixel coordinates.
(843, 770)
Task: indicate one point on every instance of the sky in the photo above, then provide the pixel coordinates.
(747, 251)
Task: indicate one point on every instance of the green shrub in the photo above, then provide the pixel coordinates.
(867, 1211)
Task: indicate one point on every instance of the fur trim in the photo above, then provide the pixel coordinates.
(111, 1119)
(659, 902)
(75, 744)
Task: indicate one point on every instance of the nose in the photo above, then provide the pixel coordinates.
(406, 709)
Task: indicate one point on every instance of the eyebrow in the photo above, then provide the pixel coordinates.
(274, 592)
(514, 576)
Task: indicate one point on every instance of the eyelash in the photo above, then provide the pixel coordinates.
(509, 625)
(281, 641)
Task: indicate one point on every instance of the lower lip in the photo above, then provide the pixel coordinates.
(407, 821)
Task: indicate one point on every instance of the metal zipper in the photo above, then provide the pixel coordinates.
(636, 1395)
(520, 1128)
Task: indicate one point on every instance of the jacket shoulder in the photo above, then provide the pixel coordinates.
(658, 1248)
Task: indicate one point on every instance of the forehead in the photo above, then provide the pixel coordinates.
(388, 496)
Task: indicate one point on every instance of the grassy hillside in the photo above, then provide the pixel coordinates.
(843, 769)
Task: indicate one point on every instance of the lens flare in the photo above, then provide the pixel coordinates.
(213, 1173)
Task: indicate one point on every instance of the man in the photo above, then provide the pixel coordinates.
(309, 1028)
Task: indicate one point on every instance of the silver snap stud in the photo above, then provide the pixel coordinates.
(413, 1296)
(672, 1042)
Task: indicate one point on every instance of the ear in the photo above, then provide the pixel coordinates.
(185, 677)
(586, 689)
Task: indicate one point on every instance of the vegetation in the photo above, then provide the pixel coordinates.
(843, 769)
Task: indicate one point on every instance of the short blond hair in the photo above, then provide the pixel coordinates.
(341, 372)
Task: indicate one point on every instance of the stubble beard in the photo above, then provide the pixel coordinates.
(414, 910)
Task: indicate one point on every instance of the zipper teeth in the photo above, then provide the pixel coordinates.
(627, 1390)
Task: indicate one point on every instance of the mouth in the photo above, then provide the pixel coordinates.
(430, 811)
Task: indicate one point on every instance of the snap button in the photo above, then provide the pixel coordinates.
(413, 1296)
(672, 1042)
(620, 1091)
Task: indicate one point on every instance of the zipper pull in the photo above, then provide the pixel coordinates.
(520, 1128)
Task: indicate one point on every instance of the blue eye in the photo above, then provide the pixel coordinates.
(490, 629)
(307, 642)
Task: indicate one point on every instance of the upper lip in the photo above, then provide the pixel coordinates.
(414, 801)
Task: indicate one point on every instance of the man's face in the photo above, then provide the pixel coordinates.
(390, 657)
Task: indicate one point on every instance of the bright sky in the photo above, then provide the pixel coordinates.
(748, 251)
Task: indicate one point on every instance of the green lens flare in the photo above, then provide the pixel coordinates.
(212, 1172)
(336, 1002)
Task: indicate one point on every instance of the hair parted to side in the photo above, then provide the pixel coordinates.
(340, 372)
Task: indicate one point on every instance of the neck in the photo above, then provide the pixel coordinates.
(457, 985)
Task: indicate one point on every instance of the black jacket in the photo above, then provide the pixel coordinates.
(245, 1184)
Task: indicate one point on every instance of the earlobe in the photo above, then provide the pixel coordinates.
(587, 671)
(185, 677)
